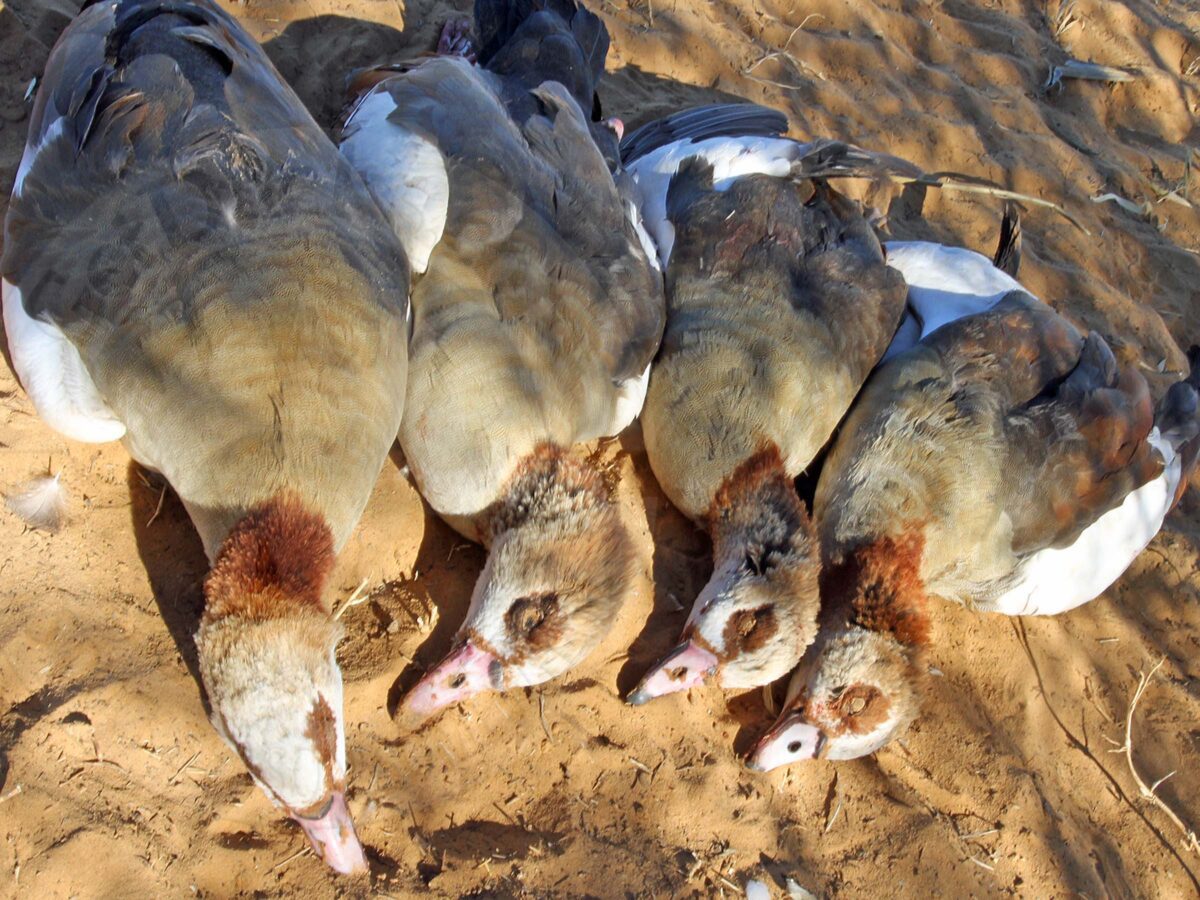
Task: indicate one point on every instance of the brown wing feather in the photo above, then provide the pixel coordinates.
(1076, 453)
(801, 242)
(1020, 347)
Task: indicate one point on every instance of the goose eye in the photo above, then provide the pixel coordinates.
(530, 619)
(746, 625)
(750, 629)
(861, 707)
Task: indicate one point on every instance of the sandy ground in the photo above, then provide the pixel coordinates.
(112, 784)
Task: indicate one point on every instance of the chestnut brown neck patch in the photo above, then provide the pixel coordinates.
(878, 587)
(762, 472)
(757, 510)
(275, 559)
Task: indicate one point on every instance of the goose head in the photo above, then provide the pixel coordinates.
(559, 566)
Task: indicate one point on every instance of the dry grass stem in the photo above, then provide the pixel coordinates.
(1190, 840)
(191, 759)
(729, 884)
(296, 855)
(542, 716)
(162, 495)
(979, 834)
(358, 596)
(1003, 193)
(768, 697)
(1086, 71)
(1130, 206)
(782, 53)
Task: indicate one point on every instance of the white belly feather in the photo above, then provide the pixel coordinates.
(1056, 580)
(944, 284)
(54, 376)
(631, 397)
(405, 173)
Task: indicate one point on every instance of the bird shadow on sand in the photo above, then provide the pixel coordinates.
(349, 45)
(318, 56)
(682, 563)
(443, 576)
(174, 558)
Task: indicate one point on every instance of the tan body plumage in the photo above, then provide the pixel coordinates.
(779, 304)
(189, 265)
(536, 315)
(1005, 462)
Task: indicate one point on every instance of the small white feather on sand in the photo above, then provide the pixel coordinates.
(40, 503)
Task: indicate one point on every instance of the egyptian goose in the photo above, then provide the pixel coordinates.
(536, 315)
(1004, 462)
(190, 266)
(779, 303)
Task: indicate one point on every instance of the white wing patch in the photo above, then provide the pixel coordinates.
(405, 173)
(31, 151)
(631, 397)
(731, 159)
(1056, 580)
(54, 376)
(647, 242)
(944, 284)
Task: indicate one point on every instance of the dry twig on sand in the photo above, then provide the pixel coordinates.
(782, 53)
(283, 862)
(359, 596)
(542, 716)
(1190, 840)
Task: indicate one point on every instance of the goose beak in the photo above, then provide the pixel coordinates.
(789, 740)
(333, 837)
(467, 670)
(684, 667)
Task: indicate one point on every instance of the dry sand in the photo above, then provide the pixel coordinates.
(112, 783)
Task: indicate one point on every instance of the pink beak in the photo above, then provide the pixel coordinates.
(333, 838)
(684, 667)
(466, 671)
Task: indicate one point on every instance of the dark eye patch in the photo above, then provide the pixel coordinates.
(749, 629)
(534, 621)
(861, 707)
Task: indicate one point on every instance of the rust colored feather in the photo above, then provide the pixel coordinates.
(276, 558)
(879, 587)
